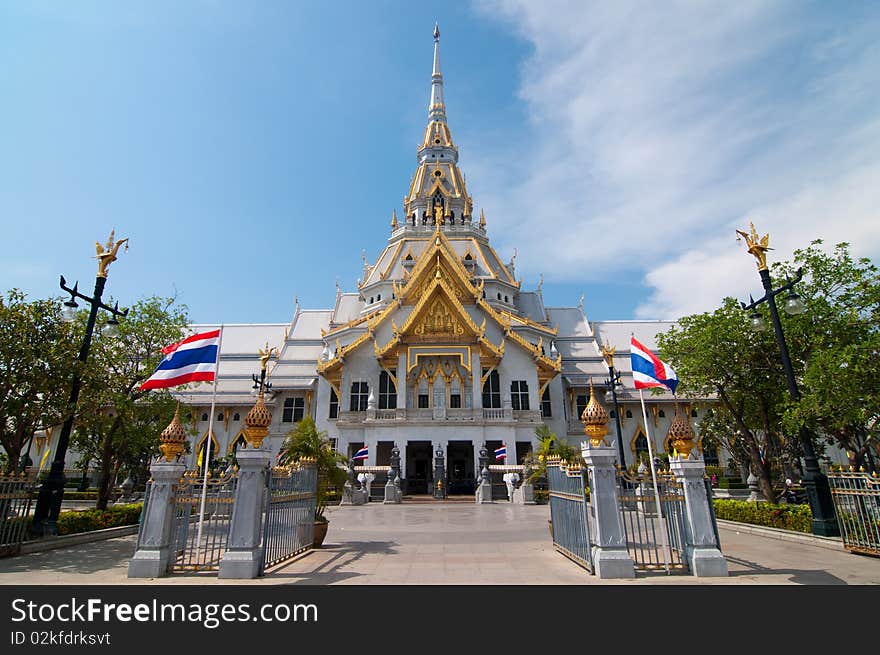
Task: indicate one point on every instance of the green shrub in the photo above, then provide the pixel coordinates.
(787, 517)
(717, 471)
(732, 483)
(542, 497)
(89, 520)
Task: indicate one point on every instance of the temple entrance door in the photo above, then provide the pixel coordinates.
(460, 467)
(418, 467)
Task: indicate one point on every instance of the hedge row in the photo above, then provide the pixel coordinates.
(88, 520)
(787, 517)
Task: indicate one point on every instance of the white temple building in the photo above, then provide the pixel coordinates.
(439, 347)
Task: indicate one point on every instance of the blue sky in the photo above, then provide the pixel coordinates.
(252, 151)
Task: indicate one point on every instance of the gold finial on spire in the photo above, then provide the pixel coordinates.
(438, 214)
(757, 246)
(608, 354)
(172, 438)
(394, 219)
(595, 420)
(266, 355)
(106, 255)
(681, 434)
(483, 219)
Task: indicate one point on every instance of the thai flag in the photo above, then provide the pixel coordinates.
(192, 360)
(501, 453)
(363, 453)
(648, 370)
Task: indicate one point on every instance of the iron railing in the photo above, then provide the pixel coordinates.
(189, 552)
(16, 494)
(569, 512)
(644, 529)
(856, 497)
(289, 520)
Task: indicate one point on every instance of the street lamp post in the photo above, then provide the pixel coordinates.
(48, 506)
(613, 381)
(815, 482)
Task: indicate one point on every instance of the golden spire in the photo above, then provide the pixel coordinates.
(394, 219)
(483, 219)
(172, 437)
(595, 420)
(757, 246)
(681, 434)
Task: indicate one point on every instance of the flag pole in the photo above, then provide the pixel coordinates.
(667, 554)
(210, 438)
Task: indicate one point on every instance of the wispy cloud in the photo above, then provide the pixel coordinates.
(656, 128)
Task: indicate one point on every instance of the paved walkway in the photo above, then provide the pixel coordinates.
(453, 544)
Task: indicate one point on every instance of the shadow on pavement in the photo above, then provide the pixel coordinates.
(87, 558)
(796, 576)
(327, 569)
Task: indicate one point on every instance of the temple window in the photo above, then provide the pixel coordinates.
(359, 393)
(387, 391)
(294, 408)
(492, 390)
(546, 408)
(519, 394)
(334, 404)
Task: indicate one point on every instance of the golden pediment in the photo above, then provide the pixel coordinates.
(439, 321)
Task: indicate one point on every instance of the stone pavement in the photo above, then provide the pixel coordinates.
(452, 544)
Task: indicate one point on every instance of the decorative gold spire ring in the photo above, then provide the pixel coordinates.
(595, 420)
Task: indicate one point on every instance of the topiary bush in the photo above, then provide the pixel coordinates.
(89, 520)
(787, 517)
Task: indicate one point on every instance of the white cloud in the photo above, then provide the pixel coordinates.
(655, 129)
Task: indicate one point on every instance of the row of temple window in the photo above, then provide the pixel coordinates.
(294, 408)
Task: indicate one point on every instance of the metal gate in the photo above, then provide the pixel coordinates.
(289, 520)
(644, 529)
(569, 514)
(856, 497)
(189, 552)
(16, 494)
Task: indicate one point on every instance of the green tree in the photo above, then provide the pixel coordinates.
(119, 424)
(305, 441)
(548, 445)
(37, 360)
(837, 341)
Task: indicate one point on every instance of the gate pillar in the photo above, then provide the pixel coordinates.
(610, 556)
(244, 555)
(484, 488)
(703, 555)
(153, 555)
(392, 489)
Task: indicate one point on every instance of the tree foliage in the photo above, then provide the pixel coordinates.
(38, 356)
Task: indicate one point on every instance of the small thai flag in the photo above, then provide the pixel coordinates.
(363, 453)
(501, 453)
(648, 370)
(192, 360)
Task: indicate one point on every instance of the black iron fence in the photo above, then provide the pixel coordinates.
(16, 495)
(289, 518)
(569, 512)
(856, 497)
(654, 541)
(199, 539)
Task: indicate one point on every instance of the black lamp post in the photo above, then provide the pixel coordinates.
(613, 382)
(51, 493)
(815, 482)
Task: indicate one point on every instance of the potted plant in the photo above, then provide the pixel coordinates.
(305, 441)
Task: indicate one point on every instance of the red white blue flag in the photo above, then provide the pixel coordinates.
(648, 370)
(501, 453)
(363, 453)
(192, 360)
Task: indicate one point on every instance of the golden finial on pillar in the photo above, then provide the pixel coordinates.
(595, 420)
(106, 255)
(173, 437)
(257, 422)
(681, 434)
(757, 246)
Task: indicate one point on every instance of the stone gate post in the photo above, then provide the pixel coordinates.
(703, 555)
(244, 555)
(610, 556)
(392, 490)
(153, 555)
(484, 488)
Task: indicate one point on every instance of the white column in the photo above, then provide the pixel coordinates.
(476, 374)
(401, 381)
